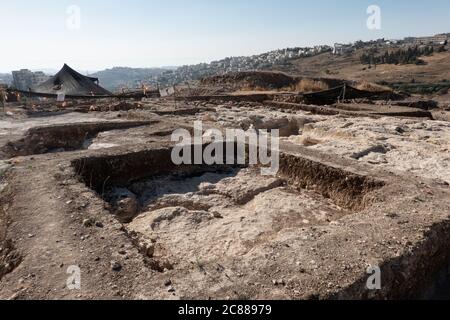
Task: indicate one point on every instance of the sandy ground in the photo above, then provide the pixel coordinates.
(232, 234)
(229, 215)
(8, 124)
(415, 146)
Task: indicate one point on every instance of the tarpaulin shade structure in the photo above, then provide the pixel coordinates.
(71, 83)
(346, 91)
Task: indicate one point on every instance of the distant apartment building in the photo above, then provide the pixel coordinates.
(441, 39)
(392, 42)
(25, 79)
(340, 49)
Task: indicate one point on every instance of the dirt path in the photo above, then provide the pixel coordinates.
(56, 221)
(50, 237)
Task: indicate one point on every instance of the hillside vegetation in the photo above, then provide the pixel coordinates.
(119, 77)
(434, 69)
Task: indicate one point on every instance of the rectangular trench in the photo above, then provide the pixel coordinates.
(343, 187)
(314, 181)
(66, 137)
(162, 204)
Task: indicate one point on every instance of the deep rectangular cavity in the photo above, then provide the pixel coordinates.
(345, 188)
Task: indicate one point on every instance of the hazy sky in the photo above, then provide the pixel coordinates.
(34, 34)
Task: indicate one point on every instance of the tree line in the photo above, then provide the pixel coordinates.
(403, 56)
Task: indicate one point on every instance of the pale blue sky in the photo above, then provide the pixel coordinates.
(162, 33)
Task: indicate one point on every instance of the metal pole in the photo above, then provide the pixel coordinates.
(2, 101)
(189, 87)
(175, 97)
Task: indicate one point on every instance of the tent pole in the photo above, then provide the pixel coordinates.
(2, 101)
(175, 97)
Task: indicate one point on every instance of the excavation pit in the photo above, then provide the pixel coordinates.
(222, 214)
(176, 214)
(63, 138)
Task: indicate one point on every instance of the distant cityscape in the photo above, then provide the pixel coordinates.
(282, 57)
(119, 78)
(25, 79)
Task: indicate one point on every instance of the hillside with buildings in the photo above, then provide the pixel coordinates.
(122, 77)
(290, 59)
(266, 61)
(434, 69)
(25, 79)
(338, 61)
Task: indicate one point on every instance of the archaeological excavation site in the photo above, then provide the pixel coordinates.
(362, 187)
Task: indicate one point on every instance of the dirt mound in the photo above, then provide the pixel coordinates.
(252, 79)
(270, 81)
(354, 189)
(119, 106)
(372, 87)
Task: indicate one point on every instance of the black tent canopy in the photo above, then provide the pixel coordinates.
(71, 83)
